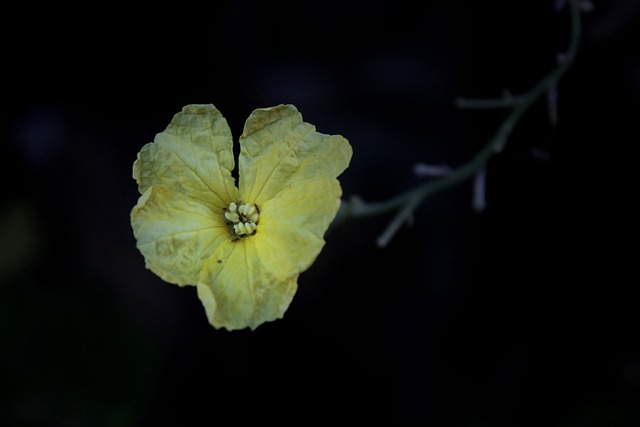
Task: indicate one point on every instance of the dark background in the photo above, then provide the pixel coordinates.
(523, 315)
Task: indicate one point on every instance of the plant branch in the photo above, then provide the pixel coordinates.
(406, 203)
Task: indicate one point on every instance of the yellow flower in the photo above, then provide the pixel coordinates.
(243, 247)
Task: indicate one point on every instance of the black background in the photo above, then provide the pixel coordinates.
(522, 315)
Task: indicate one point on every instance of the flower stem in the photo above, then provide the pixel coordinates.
(405, 203)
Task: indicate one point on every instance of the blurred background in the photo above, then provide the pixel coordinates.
(524, 314)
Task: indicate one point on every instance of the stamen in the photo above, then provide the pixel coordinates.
(240, 228)
(232, 216)
(242, 218)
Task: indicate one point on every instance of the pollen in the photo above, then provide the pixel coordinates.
(243, 219)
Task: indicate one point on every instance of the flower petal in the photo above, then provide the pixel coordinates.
(194, 156)
(237, 292)
(292, 225)
(277, 149)
(175, 234)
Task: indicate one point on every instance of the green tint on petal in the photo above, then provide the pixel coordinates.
(292, 225)
(193, 156)
(237, 292)
(277, 149)
(176, 234)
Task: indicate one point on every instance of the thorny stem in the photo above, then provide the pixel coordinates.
(407, 202)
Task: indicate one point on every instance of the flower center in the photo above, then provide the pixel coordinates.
(243, 218)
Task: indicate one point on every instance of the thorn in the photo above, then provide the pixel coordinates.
(422, 169)
(479, 201)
